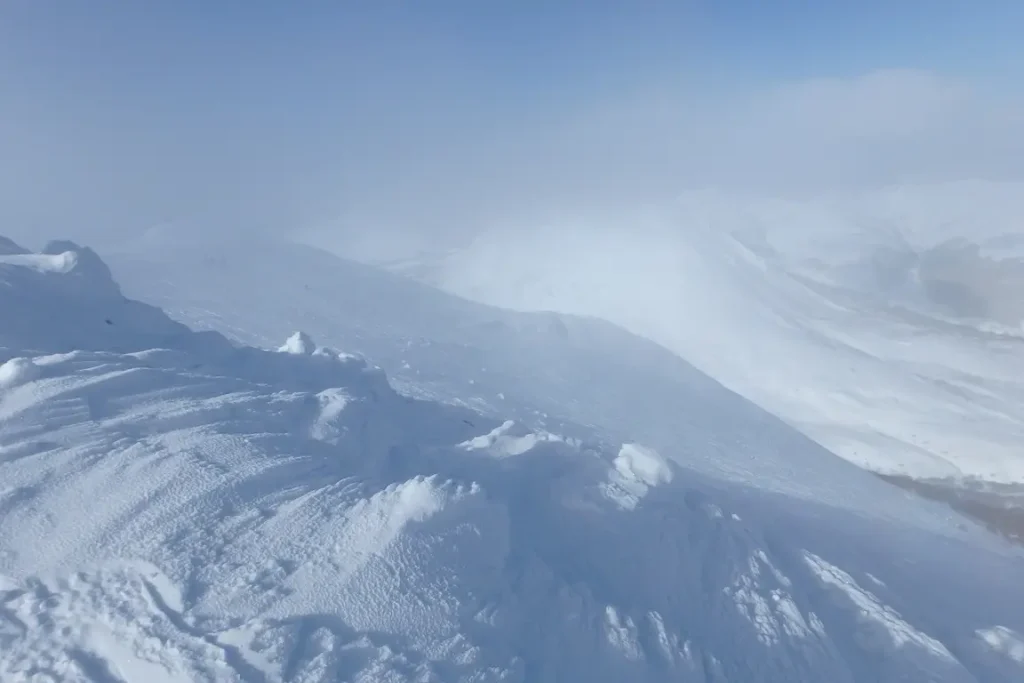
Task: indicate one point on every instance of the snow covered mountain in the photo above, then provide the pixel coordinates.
(866, 323)
(558, 501)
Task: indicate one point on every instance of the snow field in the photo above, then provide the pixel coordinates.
(175, 507)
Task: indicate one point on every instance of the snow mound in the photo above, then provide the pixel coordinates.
(636, 470)
(201, 511)
(299, 344)
(643, 465)
(66, 299)
(391, 550)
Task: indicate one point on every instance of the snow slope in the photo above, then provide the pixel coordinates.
(520, 365)
(773, 299)
(179, 508)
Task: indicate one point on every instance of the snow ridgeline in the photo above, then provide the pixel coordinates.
(174, 507)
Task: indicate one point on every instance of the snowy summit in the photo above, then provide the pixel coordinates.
(176, 506)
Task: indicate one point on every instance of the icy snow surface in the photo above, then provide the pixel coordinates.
(175, 507)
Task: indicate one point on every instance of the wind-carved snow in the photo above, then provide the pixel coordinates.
(636, 470)
(17, 371)
(175, 507)
(900, 632)
(642, 465)
(332, 405)
(105, 625)
(63, 262)
(773, 612)
(882, 629)
(509, 439)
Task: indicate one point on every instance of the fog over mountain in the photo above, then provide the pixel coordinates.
(511, 342)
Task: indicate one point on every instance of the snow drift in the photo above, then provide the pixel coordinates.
(176, 507)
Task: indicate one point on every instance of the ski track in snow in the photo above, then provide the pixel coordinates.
(177, 508)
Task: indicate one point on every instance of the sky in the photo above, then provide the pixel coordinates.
(439, 116)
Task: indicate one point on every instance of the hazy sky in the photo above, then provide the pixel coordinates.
(116, 116)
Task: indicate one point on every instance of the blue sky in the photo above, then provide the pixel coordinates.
(125, 48)
(123, 113)
(786, 39)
